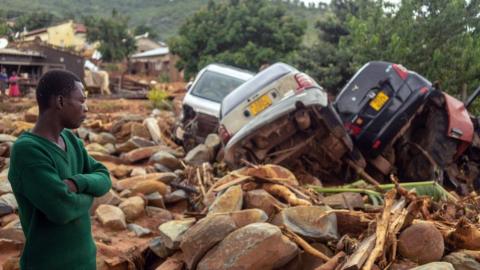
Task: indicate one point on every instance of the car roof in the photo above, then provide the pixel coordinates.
(229, 70)
(258, 82)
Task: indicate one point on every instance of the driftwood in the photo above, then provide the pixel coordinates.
(333, 262)
(285, 193)
(352, 222)
(358, 258)
(304, 244)
(398, 219)
(382, 230)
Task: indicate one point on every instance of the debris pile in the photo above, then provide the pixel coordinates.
(174, 210)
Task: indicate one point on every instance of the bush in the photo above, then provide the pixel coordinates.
(159, 99)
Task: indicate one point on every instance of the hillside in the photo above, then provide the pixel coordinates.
(164, 16)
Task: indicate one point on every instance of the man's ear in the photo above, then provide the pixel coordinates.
(59, 102)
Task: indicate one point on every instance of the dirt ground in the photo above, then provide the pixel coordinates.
(95, 105)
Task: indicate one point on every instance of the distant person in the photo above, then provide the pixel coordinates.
(3, 81)
(13, 90)
(55, 180)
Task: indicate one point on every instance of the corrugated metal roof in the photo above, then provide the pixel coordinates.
(10, 51)
(154, 52)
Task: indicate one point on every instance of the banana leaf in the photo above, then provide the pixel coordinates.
(428, 188)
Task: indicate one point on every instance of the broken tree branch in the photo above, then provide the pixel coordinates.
(333, 262)
(382, 229)
(302, 243)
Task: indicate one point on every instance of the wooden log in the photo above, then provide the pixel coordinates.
(358, 258)
(333, 262)
(304, 244)
(382, 229)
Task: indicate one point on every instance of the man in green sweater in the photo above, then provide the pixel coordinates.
(55, 180)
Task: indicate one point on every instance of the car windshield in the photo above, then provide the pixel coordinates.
(215, 86)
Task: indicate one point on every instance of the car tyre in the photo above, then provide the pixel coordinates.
(414, 164)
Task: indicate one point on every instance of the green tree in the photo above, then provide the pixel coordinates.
(34, 20)
(244, 33)
(116, 43)
(143, 28)
(323, 60)
(437, 38)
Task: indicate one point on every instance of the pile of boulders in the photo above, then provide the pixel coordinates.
(171, 210)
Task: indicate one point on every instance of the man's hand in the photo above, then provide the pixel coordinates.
(71, 185)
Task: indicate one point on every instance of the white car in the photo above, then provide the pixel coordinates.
(282, 116)
(201, 105)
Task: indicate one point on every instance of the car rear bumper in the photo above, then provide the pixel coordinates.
(312, 100)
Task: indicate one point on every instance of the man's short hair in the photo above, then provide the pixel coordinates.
(55, 82)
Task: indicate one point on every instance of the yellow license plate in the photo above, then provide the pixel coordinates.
(260, 104)
(380, 99)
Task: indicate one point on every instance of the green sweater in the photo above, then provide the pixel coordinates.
(55, 221)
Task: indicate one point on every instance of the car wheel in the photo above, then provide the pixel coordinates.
(428, 150)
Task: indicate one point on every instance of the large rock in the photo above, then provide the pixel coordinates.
(172, 263)
(462, 261)
(161, 168)
(111, 216)
(131, 182)
(7, 138)
(5, 209)
(110, 147)
(154, 129)
(421, 243)
(198, 155)
(171, 232)
(5, 187)
(155, 199)
(83, 133)
(31, 115)
(157, 245)
(9, 199)
(133, 143)
(159, 215)
(261, 199)
(120, 171)
(244, 217)
(96, 147)
(7, 219)
(344, 200)
(139, 130)
(21, 126)
(255, 246)
(309, 221)
(138, 171)
(231, 200)
(435, 266)
(204, 235)
(105, 138)
(12, 234)
(5, 150)
(141, 153)
(166, 159)
(133, 207)
(138, 230)
(176, 196)
(151, 186)
(110, 198)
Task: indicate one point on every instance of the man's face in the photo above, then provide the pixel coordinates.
(74, 108)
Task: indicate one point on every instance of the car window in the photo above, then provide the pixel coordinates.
(215, 86)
